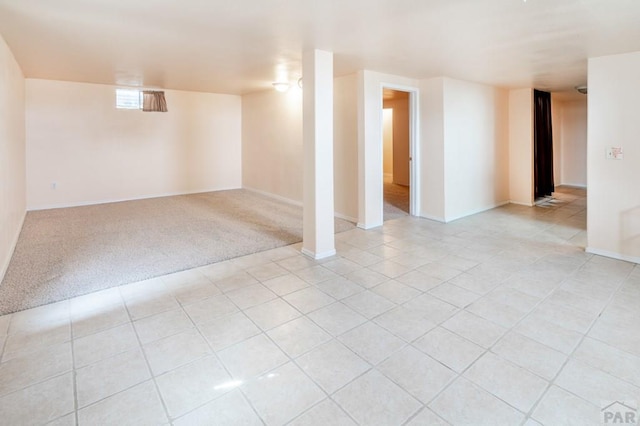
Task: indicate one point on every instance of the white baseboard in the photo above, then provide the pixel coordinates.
(318, 256)
(14, 242)
(480, 210)
(366, 227)
(520, 203)
(434, 218)
(572, 185)
(274, 196)
(345, 217)
(119, 200)
(296, 203)
(617, 256)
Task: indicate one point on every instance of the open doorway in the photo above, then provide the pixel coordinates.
(544, 184)
(396, 154)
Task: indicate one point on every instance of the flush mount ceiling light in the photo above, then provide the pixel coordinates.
(582, 89)
(281, 86)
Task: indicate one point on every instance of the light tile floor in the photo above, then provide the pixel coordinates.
(499, 319)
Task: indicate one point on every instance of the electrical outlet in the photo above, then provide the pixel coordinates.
(615, 153)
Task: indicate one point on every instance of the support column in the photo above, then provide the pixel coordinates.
(318, 239)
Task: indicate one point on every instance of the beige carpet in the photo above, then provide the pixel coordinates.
(396, 200)
(68, 252)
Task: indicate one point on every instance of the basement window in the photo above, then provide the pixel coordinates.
(128, 99)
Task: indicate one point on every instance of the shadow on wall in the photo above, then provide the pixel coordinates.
(630, 232)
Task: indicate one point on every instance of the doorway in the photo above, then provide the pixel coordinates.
(396, 154)
(542, 146)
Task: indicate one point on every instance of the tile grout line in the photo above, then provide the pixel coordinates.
(74, 371)
(570, 356)
(488, 349)
(290, 359)
(293, 360)
(144, 354)
(214, 353)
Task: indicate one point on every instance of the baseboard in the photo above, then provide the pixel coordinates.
(480, 210)
(434, 218)
(572, 185)
(520, 203)
(296, 203)
(318, 256)
(366, 227)
(617, 256)
(274, 196)
(345, 217)
(5, 265)
(120, 200)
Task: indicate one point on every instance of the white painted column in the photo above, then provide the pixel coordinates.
(370, 186)
(318, 240)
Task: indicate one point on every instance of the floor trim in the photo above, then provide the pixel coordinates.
(318, 256)
(14, 243)
(613, 255)
(120, 200)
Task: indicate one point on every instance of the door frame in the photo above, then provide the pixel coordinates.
(414, 161)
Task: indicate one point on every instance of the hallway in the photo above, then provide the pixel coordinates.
(396, 199)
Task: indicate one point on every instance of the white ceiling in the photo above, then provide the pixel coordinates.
(240, 46)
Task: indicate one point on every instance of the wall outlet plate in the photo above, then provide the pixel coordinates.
(615, 153)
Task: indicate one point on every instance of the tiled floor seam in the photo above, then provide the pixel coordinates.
(329, 396)
(74, 373)
(293, 360)
(488, 349)
(417, 413)
(407, 344)
(153, 377)
(570, 356)
(215, 354)
(54, 376)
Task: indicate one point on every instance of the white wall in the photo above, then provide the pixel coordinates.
(345, 146)
(96, 153)
(556, 122)
(613, 222)
(272, 143)
(464, 146)
(476, 146)
(431, 148)
(12, 155)
(521, 146)
(573, 143)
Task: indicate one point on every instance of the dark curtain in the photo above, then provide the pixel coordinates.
(542, 144)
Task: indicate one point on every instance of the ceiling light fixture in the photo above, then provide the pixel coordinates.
(281, 86)
(582, 89)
